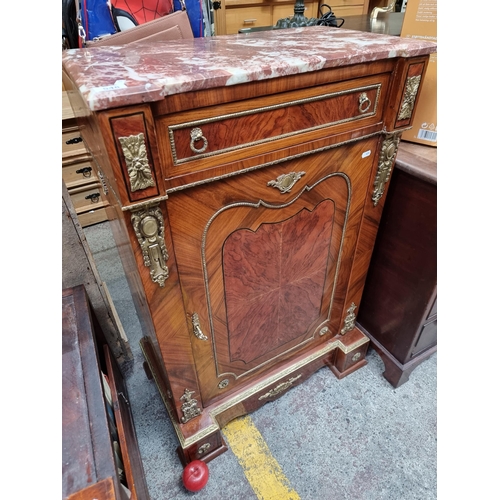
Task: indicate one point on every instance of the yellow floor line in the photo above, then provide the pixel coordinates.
(261, 469)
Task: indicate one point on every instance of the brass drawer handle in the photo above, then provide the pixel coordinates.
(86, 171)
(248, 21)
(94, 197)
(197, 135)
(364, 103)
(203, 448)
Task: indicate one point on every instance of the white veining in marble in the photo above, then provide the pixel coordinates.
(115, 76)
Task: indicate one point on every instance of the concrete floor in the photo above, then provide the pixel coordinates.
(352, 439)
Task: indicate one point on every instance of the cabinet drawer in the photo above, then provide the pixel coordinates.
(345, 3)
(88, 198)
(72, 145)
(348, 10)
(247, 17)
(93, 217)
(79, 174)
(318, 112)
(427, 338)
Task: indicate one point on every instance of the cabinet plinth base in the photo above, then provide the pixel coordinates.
(201, 437)
(344, 363)
(184, 456)
(350, 370)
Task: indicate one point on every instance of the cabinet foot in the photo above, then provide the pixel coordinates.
(202, 450)
(351, 369)
(352, 357)
(397, 373)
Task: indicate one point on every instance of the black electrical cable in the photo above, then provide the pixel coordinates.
(328, 18)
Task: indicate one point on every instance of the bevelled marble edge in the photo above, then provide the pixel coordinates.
(114, 76)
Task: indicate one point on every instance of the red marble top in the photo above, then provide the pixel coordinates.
(113, 76)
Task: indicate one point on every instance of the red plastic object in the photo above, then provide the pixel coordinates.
(195, 475)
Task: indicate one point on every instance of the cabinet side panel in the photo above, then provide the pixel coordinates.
(404, 265)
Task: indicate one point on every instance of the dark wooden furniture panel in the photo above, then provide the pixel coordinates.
(94, 432)
(398, 310)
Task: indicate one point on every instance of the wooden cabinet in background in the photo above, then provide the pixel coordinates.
(235, 15)
(247, 212)
(100, 454)
(398, 311)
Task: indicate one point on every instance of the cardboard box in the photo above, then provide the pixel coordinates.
(420, 21)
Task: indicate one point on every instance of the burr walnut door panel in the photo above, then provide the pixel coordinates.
(264, 261)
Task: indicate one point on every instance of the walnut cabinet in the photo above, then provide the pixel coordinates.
(245, 216)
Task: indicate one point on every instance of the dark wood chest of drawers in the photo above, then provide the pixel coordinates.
(398, 310)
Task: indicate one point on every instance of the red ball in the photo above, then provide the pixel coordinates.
(195, 475)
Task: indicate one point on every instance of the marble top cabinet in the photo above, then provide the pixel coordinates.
(248, 175)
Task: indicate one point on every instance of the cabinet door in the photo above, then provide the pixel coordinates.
(264, 273)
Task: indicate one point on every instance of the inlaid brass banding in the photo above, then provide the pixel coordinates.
(276, 162)
(145, 204)
(198, 123)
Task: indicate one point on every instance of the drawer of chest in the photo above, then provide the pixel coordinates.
(247, 17)
(88, 198)
(79, 174)
(347, 10)
(238, 130)
(72, 145)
